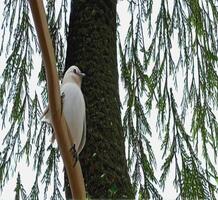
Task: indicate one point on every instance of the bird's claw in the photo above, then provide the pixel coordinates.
(62, 95)
(74, 153)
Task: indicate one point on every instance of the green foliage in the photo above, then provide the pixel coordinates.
(189, 175)
(150, 71)
(19, 190)
(52, 166)
(26, 136)
(113, 190)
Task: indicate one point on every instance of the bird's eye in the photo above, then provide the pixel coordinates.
(74, 71)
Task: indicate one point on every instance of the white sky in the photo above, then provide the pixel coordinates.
(28, 176)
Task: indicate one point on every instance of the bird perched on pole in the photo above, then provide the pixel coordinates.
(73, 108)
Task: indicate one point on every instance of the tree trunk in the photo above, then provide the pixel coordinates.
(92, 47)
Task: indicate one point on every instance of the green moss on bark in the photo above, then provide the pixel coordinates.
(92, 47)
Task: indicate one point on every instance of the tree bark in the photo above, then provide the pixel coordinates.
(92, 47)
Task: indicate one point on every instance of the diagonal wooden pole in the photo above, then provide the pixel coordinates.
(59, 124)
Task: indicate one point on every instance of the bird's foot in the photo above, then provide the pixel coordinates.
(74, 153)
(62, 97)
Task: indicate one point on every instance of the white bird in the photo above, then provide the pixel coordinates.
(73, 108)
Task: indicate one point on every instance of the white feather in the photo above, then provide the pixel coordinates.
(73, 107)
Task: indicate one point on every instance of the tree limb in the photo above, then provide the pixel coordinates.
(59, 124)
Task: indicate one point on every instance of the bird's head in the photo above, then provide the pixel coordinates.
(73, 74)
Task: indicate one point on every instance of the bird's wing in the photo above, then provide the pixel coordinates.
(46, 117)
(83, 139)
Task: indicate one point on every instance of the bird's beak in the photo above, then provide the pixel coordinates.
(81, 74)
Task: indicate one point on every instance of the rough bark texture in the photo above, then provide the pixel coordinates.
(92, 47)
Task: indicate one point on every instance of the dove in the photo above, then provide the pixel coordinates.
(73, 108)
